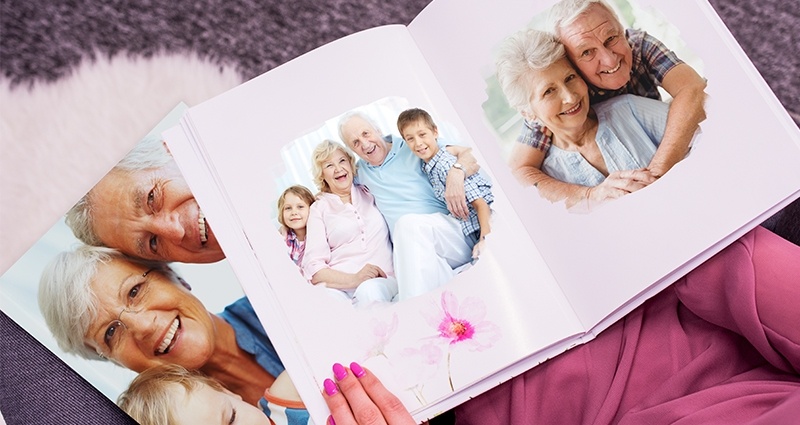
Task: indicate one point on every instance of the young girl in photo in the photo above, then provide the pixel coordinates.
(293, 206)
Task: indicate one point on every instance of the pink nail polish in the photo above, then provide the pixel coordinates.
(331, 421)
(330, 387)
(358, 371)
(339, 372)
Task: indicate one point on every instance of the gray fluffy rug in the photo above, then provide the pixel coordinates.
(46, 45)
(44, 40)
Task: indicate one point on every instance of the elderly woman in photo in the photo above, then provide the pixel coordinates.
(101, 304)
(347, 240)
(594, 147)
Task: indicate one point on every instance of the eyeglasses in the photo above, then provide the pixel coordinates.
(115, 329)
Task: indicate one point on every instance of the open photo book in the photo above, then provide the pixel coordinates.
(327, 187)
(548, 278)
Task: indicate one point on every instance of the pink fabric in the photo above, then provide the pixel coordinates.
(772, 278)
(345, 237)
(697, 353)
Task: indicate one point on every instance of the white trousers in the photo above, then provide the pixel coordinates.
(379, 289)
(429, 249)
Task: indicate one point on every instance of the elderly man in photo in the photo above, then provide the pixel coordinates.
(615, 61)
(144, 208)
(429, 246)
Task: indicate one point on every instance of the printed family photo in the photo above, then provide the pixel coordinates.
(367, 213)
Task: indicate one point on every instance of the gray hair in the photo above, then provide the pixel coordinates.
(565, 12)
(352, 114)
(66, 300)
(322, 153)
(149, 153)
(526, 51)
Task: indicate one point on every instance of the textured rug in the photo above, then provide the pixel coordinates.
(103, 72)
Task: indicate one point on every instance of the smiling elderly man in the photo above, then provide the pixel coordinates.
(144, 208)
(615, 61)
(429, 247)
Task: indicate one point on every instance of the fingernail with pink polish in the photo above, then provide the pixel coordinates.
(358, 371)
(339, 372)
(330, 387)
(331, 421)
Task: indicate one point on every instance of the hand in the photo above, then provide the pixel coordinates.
(454, 194)
(657, 169)
(620, 183)
(360, 398)
(468, 162)
(369, 271)
(476, 250)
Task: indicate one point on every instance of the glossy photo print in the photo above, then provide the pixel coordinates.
(133, 291)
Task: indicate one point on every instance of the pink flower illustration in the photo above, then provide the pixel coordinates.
(382, 333)
(427, 355)
(419, 365)
(463, 324)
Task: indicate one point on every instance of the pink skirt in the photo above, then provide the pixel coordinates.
(720, 346)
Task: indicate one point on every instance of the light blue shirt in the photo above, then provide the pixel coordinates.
(629, 131)
(399, 184)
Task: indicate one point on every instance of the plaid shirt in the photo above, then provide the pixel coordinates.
(296, 247)
(651, 62)
(475, 186)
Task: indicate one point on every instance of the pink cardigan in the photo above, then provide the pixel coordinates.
(345, 237)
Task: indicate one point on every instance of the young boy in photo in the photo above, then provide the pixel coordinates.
(169, 394)
(419, 131)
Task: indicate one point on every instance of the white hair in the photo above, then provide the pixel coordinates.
(524, 52)
(66, 300)
(565, 12)
(149, 153)
(352, 114)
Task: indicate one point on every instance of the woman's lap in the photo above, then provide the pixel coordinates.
(667, 362)
(752, 288)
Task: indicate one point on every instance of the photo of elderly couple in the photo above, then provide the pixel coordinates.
(605, 109)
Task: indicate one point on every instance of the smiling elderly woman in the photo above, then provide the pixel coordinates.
(101, 304)
(595, 148)
(347, 240)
